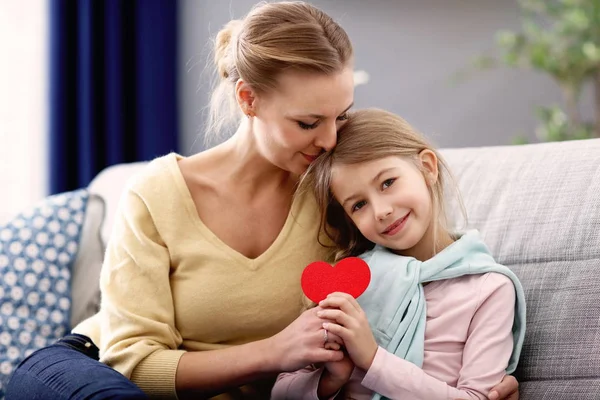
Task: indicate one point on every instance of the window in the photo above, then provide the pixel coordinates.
(23, 104)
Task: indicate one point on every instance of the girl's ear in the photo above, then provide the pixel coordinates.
(429, 165)
(245, 97)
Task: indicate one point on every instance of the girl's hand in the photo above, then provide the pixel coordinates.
(302, 343)
(508, 389)
(351, 325)
(339, 371)
(335, 376)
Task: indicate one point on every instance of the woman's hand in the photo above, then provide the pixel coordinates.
(351, 325)
(508, 389)
(302, 343)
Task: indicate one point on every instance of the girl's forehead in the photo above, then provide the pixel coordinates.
(369, 167)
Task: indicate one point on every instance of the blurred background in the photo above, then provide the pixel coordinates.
(88, 84)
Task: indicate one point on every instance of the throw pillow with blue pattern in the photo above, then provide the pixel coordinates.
(37, 251)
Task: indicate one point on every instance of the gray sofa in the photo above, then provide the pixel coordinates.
(538, 208)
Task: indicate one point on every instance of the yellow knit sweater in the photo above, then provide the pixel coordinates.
(169, 285)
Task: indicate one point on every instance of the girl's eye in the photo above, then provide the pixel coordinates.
(387, 183)
(343, 117)
(358, 205)
(307, 126)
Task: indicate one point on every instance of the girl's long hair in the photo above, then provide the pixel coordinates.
(369, 135)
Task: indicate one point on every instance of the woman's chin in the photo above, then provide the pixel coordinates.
(297, 168)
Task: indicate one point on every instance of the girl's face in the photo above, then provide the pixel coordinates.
(389, 202)
(297, 122)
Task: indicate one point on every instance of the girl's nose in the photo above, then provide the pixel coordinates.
(382, 210)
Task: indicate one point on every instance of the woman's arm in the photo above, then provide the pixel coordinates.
(299, 344)
(139, 337)
(137, 320)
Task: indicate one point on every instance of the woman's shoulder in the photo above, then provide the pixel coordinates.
(155, 197)
(156, 187)
(157, 178)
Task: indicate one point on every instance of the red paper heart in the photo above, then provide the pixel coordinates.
(351, 275)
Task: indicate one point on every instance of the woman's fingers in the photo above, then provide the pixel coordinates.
(325, 355)
(333, 338)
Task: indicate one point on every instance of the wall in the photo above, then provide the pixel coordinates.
(410, 49)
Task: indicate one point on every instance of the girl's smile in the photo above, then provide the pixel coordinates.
(396, 226)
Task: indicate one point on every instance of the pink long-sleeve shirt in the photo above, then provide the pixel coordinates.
(468, 343)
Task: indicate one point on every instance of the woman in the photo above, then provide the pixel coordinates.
(200, 285)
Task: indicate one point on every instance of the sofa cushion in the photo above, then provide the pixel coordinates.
(37, 250)
(538, 209)
(85, 277)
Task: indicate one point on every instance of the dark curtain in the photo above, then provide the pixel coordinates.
(113, 86)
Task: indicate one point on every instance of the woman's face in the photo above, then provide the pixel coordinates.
(299, 120)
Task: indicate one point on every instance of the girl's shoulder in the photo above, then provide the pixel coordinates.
(487, 282)
(497, 285)
(476, 287)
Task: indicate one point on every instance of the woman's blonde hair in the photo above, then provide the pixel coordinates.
(370, 135)
(272, 39)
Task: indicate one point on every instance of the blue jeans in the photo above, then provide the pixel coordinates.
(69, 369)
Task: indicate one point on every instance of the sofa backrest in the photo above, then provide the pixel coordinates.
(538, 208)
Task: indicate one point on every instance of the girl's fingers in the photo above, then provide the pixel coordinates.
(332, 346)
(353, 301)
(338, 316)
(342, 302)
(337, 330)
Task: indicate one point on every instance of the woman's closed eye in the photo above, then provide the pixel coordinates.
(343, 117)
(387, 183)
(306, 126)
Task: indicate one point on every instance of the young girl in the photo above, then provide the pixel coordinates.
(440, 319)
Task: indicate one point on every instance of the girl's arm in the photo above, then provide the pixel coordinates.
(314, 382)
(299, 385)
(485, 355)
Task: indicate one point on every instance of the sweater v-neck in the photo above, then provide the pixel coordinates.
(190, 206)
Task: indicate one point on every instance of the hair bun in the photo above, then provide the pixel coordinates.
(223, 57)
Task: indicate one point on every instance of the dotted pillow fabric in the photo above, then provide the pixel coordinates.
(37, 251)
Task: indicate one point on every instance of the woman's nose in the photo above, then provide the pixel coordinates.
(327, 138)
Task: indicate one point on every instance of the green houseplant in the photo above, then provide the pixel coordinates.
(562, 39)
